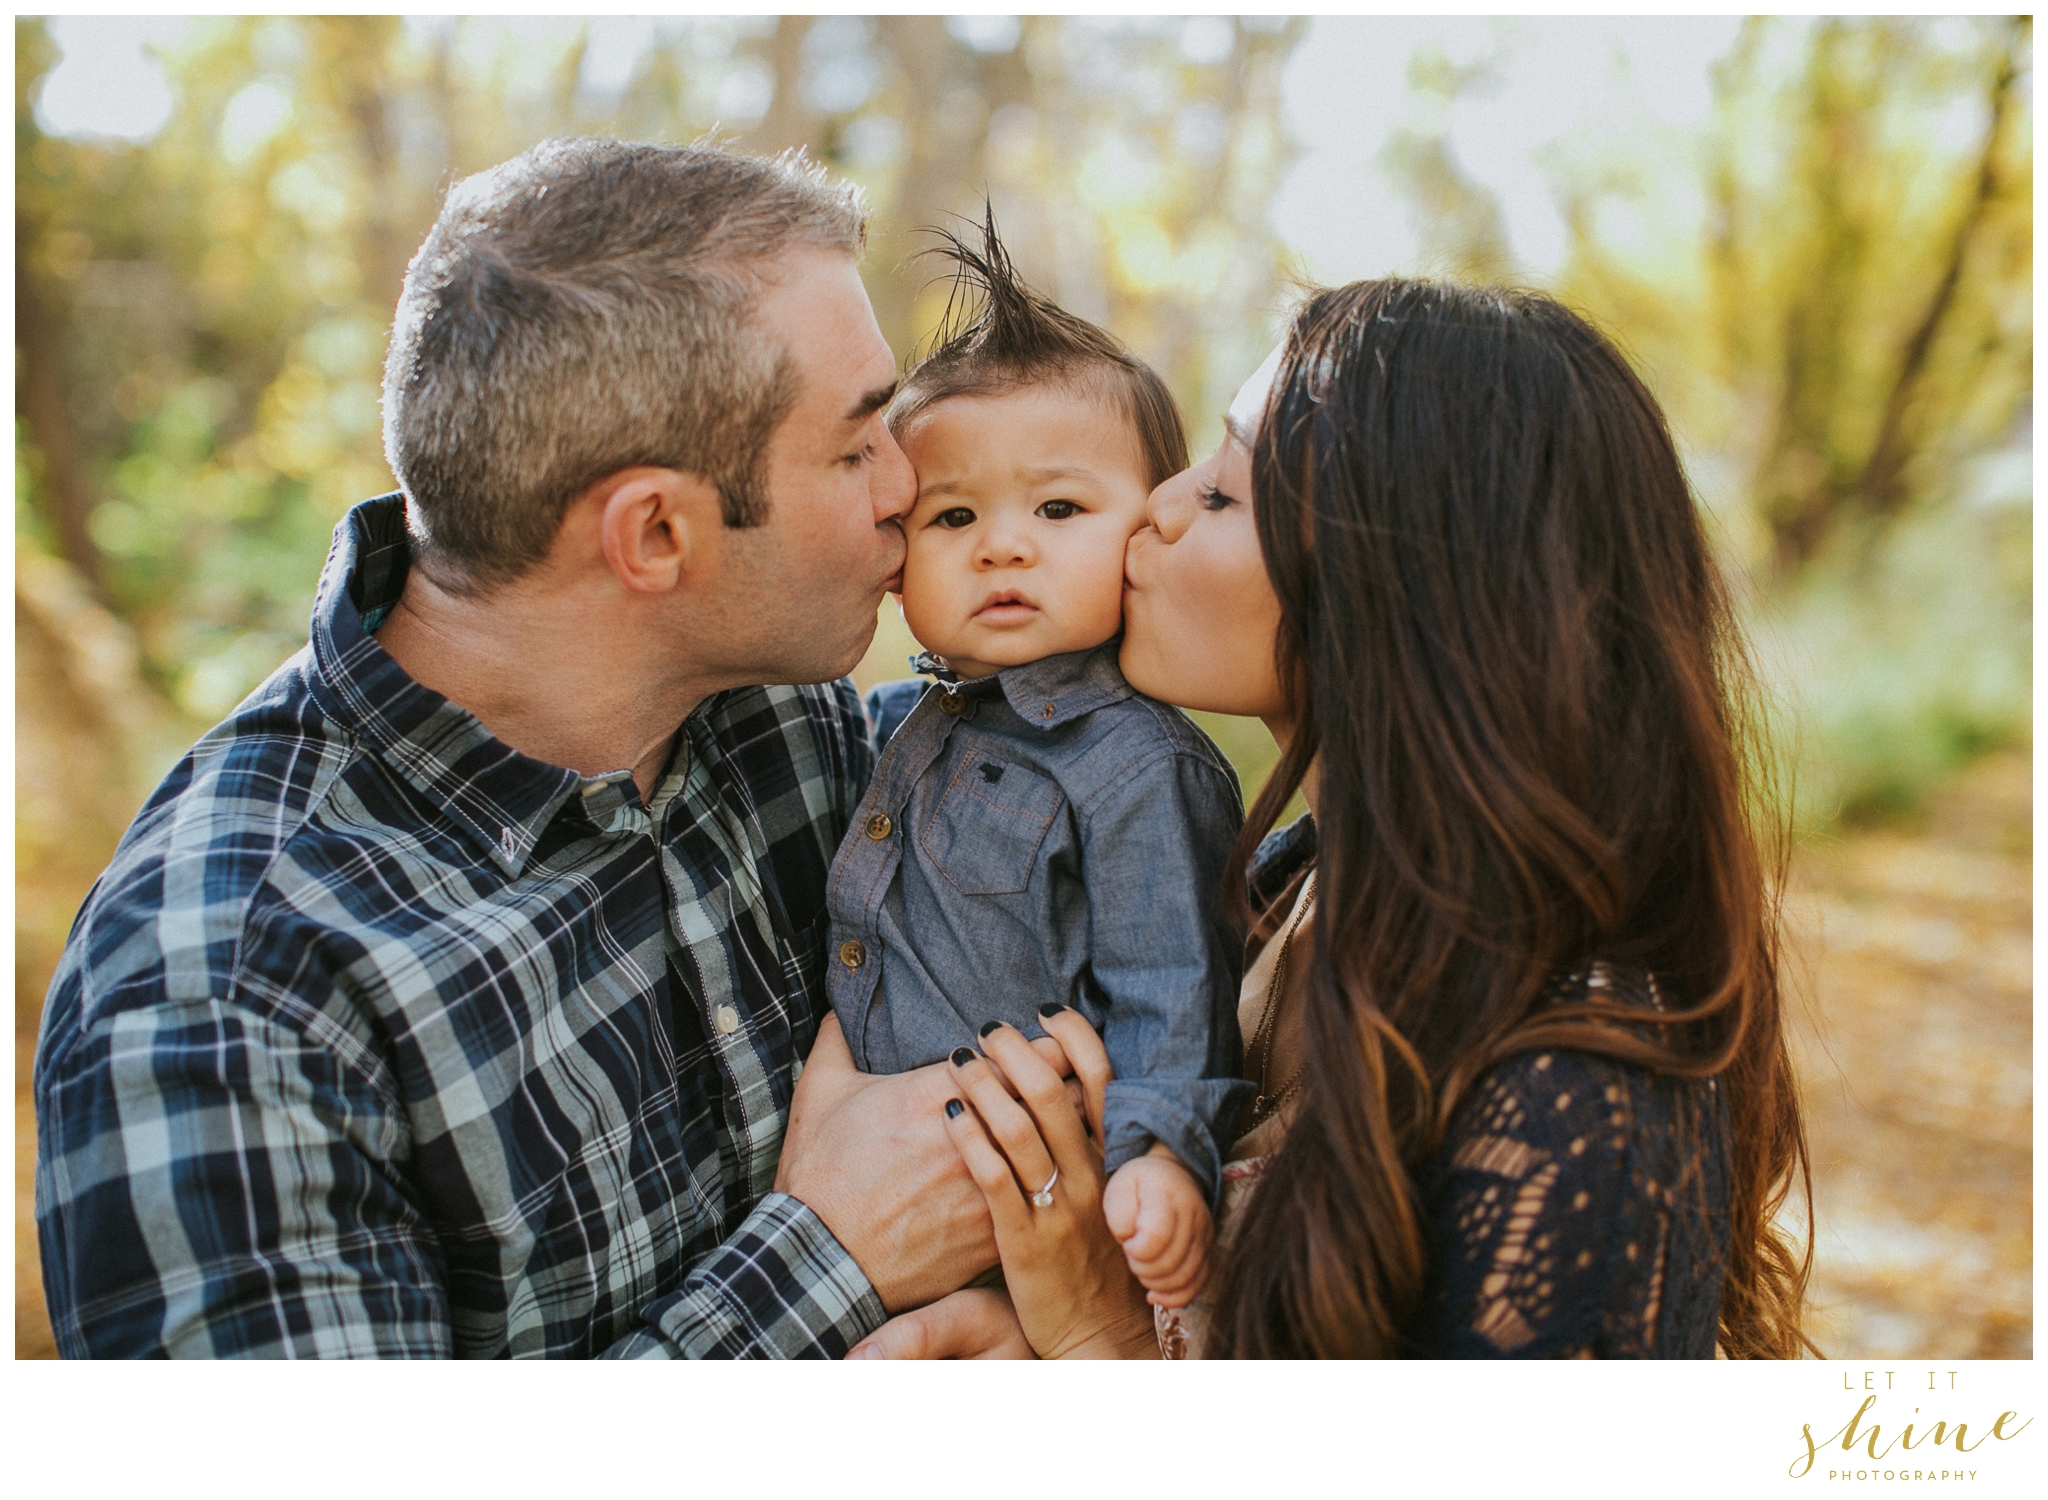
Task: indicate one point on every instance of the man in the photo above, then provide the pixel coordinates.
(448, 999)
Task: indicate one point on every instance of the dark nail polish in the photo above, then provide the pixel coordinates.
(1051, 1008)
(992, 1026)
(962, 1056)
(953, 1108)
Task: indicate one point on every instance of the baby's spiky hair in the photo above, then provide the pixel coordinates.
(998, 335)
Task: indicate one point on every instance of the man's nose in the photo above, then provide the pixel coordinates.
(893, 483)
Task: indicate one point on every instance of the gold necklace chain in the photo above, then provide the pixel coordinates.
(1262, 1037)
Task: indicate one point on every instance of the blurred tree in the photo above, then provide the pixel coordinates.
(1865, 320)
(1864, 343)
(45, 259)
(1846, 357)
(201, 318)
(1887, 364)
(1462, 234)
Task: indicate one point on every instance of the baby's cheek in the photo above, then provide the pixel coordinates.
(918, 613)
(926, 580)
(1107, 592)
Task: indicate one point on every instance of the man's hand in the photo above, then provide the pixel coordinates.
(871, 1157)
(974, 1323)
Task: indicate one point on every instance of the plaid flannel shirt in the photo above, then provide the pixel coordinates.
(380, 1038)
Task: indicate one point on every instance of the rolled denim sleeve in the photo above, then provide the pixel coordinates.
(1167, 965)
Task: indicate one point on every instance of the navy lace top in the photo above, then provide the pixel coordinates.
(1579, 1205)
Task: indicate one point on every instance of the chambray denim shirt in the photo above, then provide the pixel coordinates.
(1047, 833)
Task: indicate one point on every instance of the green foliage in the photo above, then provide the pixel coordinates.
(1871, 288)
(1853, 340)
(1905, 659)
(201, 318)
(207, 311)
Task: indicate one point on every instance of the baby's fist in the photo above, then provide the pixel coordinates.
(1161, 1218)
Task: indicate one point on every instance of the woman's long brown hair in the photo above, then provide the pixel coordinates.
(1538, 747)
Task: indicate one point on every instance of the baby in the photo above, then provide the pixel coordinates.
(1036, 833)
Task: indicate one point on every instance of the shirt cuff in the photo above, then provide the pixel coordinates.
(1176, 1113)
(779, 1287)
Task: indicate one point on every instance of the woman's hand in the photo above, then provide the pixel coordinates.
(974, 1323)
(1068, 1282)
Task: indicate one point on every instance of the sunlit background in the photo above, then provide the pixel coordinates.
(1815, 239)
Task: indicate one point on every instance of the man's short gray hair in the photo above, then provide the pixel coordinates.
(584, 308)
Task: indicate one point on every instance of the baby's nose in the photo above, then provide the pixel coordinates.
(1006, 547)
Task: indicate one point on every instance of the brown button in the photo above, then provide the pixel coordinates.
(852, 954)
(1048, 711)
(952, 703)
(879, 826)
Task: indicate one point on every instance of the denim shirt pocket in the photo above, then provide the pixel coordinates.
(985, 833)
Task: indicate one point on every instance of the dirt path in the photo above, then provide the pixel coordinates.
(1916, 1050)
(1912, 955)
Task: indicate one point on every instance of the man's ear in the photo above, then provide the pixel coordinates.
(655, 524)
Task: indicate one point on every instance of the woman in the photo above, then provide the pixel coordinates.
(1512, 1006)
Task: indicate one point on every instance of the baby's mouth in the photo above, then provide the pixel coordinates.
(1005, 607)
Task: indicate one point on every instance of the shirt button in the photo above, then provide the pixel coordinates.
(728, 1019)
(952, 703)
(1048, 711)
(852, 954)
(879, 826)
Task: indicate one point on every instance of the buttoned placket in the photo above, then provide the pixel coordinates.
(698, 914)
(925, 734)
(613, 803)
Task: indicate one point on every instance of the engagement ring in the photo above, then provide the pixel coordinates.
(1043, 1197)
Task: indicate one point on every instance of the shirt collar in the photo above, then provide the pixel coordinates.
(1054, 690)
(503, 799)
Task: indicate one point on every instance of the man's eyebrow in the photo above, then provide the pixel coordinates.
(871, 403)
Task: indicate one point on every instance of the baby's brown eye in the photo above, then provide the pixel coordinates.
(1058, 510)
(957, 517)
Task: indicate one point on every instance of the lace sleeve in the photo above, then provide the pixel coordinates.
(1578, 1209)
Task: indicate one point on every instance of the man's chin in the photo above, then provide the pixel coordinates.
(833, 668)
(830, 650)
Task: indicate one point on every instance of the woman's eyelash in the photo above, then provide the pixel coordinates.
(1212, 498)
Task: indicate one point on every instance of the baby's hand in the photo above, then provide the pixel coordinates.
(1160, 1217)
